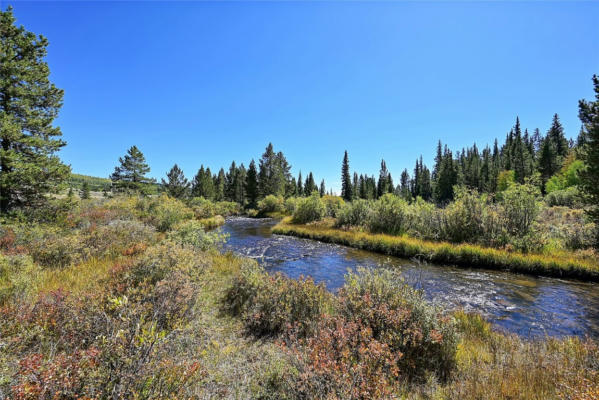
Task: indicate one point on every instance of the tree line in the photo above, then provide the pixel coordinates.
(522, 157)
(238, 184)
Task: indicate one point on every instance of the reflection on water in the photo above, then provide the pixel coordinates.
(527, 305)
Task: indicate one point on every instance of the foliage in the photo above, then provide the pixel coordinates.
(165, 212)
(192, 233)
(389, 215)
(272, 304)
(29, 166)
(355, 213)
(309, 209)
(568, 177)
(176, 184)
(271, 204)
(589, 115)
(130, 175)
(332, 204)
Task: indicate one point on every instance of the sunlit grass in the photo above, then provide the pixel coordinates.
(76, 278)
(212, 222)
(557, 263)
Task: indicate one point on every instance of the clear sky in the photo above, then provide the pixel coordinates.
(205, 83)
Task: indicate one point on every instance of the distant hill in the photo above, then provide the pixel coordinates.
(97, 184)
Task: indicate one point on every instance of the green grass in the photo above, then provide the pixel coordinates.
(555, 264)
(212, 222)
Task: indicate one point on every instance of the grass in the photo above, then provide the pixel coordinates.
(555, 264)
(212, 222)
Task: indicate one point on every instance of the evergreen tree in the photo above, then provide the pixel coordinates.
(589, 115)
(548, 161)
(404, 185)
(355, 186)
(176, 185)
(557, 137)
(362, 190)
(346, 188)
(203, 184)
(29, 103)
(273, 172)
(219, 185)
(231, 182)
(310, 185)
(383, 183)
(323, 190)
(251, 185)
(130, 175)
(300, 185)
(239, 193)
(85, 194)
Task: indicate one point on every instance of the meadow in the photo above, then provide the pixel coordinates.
(130, 297)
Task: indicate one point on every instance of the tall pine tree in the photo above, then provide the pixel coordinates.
(176, 184)
(130, 175)
(29, 103)
(589, 115)
(346, 186)
(251, 185)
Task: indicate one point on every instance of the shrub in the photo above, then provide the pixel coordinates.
(569, 197)
(463, 218)
(519, 208)
(166, 212)
(389, 215)
(271, 204)
(400, 317)
(355, 213)
(309, 209)
(333, 205)
(192, 233)
(425, 220)
(272, 304)
(291, 204)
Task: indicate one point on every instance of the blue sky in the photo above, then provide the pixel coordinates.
(205, 83)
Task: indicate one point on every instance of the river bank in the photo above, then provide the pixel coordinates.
(558, 264)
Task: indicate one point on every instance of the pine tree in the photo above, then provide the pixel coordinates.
(273, 172)
(557, 137)
(310, 185)
(548, 161)
(84, 191)
(346, 189)
(589, 115)
(239, 193)
(176, 184)
(230, 182)
(251, 185)
(383, 183)
(130, 175)
(355, 186)
(219, 185)
(322, 188)
(29, 103)
(203, 184)
(300, 185)
(404, 185)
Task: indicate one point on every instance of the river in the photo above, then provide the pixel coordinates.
(527, 305)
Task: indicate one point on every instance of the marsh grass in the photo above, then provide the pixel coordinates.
(557, 263)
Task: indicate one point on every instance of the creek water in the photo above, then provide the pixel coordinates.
(527, 305)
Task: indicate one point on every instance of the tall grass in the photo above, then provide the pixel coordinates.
(557, 264)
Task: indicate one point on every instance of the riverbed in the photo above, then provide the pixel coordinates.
(526, 305)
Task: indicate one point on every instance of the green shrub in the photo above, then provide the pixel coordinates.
(273, 304)
(271, 204)
(355, 213)
(519, 208)
(569, 197)
(463, 218)
(309, 209)
(192, 233)
(291, 204)
(166, 212)
(333, 205)
(425, 220)
(390, 215)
